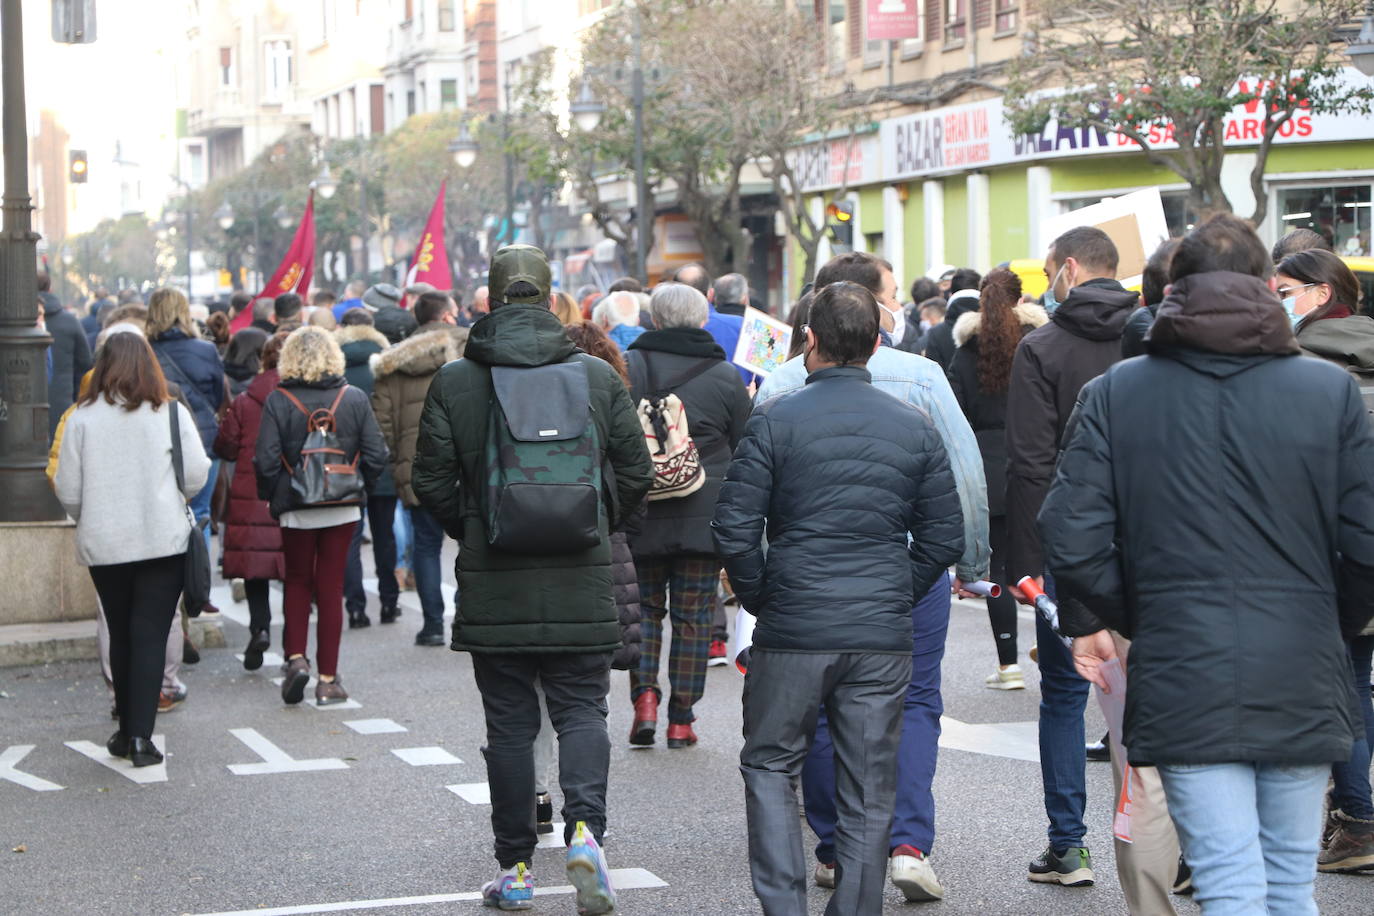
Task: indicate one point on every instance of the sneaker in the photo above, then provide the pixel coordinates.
(911, 874)
(1183, 879)
(237, 591)
(513, 889)
(1351, 847)
(257, 645)
(588, 873)
(825, 875)
(715, 656)
(425, 638)
(328, 692)
(543, 813)
(1101, 751)
(1008, 678)
(297, 676)
(1072, 867)
(170, 698)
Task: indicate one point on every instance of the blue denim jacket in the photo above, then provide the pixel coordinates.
(921, 383)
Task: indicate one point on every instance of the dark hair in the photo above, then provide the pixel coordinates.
(1156, 275)
(854, 267)
(323, 297)
(999, 331)
(923, 288)
(936, 301)
(1315, 265)
(245, 349)
(964, 278)
(520, 289)
(800, 312)
(695, 276)
(239, 301)
(126, 373)
(626, 285)
(591, 339)
(1221, 242)
(432, 307)
(287, 305)
(271, 351)
(44, 281)
(1089, 246)
(218, 326)
(844, 318)
(357, 315)
(1298, 240)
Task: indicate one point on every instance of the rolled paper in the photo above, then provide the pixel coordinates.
(984, 588)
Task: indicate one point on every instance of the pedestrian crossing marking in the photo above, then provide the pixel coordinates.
(1015, 740)
(9, 771)
(374, 726)
(125, 768)
(474, 793)
(425, 756)
(274, 759)
(349, 703)
(269, 659)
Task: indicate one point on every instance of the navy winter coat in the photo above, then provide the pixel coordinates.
(838, 473)
(194, 365)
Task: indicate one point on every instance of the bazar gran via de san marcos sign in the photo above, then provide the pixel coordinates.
(964, 137)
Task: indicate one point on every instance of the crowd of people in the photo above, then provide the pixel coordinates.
(1186, 471)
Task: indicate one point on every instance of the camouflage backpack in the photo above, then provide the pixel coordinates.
(543, 461)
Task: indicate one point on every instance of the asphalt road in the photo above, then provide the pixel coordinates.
(286, 810)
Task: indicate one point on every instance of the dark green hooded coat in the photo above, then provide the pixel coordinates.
(513, 602)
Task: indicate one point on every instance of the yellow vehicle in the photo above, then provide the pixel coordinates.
(1032, 274)
(1364, 272)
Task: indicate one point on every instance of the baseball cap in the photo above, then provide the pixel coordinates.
(514, 263)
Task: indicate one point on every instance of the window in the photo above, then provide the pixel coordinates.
(227, 76)
(837, 38)
(277, 61)
(1338, 213)
(448, 19)
(448, 94)
(377, 109)
(1005, 21)
(410, 103)
(956, 22)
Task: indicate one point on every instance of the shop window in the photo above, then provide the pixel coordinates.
(1339, 213)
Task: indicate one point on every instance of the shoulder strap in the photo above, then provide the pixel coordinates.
(337, 398)
(294, 400)
(174, 408)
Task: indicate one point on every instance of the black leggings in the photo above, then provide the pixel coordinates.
(1001, 611)
(139, 600)
(259, 610)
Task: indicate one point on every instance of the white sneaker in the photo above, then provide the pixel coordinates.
(237, 591)
(825, 875)
(913, 876)
(1008, 678)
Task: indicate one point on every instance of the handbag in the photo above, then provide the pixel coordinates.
(195, 589)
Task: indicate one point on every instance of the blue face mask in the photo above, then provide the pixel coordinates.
(1050, 299)
(1290, 304)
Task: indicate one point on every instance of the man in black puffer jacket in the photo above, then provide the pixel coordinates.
(1214, 506)
(71, 354)
(855, 491)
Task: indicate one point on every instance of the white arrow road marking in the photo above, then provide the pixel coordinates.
(622, 879)
(276, 760)
(8, 771)
(425, 756)
(1016, 740)
(140, 775)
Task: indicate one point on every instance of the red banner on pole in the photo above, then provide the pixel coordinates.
(431, 255)
(892, 20)
(296, 269)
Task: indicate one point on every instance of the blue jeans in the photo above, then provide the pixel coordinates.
(378, 512)
(913, 818)
(429, 580)
(1250, 832)
(405, 535)
(1063, 755)
(1351, 793)
(200, 503)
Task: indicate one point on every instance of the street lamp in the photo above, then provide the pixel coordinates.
(325, 183)
(1361, 50)
(224, 215)
(463, 147)
(283, 217)
(587, 110)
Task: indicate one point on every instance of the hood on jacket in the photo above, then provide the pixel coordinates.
(695, 342)
(960, 304)
(240, 372)
(1221, 312)
(970, 323)
(1348, 341)
(419, 354)
(1096, 310)
(263, 385)
(519, 335)
(354, 333)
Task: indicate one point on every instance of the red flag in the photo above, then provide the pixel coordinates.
(431, 255)
(295, 270)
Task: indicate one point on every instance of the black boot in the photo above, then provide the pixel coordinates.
(257, 645)
(389, 613)
(358, 619)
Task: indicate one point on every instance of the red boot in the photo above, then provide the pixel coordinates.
(681, 735)
(646, 719)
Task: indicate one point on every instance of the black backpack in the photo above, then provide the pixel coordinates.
(322, 477)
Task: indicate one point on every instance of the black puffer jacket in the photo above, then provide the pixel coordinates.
(283, 432)
(1051, 366)
(1137, 326)
(71, 358)
(1237, 570)
(394, 323)
(717, 407)
(939, 342)
(839, 473)
(625, 584)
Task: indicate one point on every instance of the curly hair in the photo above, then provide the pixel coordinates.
(591, 339)
(1000, 331)
(310, 354)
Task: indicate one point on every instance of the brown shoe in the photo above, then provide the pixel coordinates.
(681, 735)
(646, 719)
(168, 701)
(327, 692)
(1351, 847)
(297, 676)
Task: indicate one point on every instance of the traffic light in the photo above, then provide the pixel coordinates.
(839, 217)
(77, 169)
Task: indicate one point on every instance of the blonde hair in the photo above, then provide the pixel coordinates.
(310, 354)
(564, 306)
(323, 318)
(168, 310)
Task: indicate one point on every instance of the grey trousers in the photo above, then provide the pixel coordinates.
(863, 695)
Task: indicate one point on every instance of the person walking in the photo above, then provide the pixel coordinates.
(674, 553)
(116, 477)
(360, 341)
(314, 537)
(252, 538)
(70, 352)
(401, 379)
(243, 359)
(833, 595)
(536, 580)
(1236, 573)
(985, 341)
(963, 297)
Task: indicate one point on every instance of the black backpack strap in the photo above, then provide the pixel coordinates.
(655, 392)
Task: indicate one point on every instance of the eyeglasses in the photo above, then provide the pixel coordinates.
(1286, 291)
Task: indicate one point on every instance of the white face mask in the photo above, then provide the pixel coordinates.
(898, 325)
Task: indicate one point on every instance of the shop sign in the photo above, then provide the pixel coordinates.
(839, 162)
